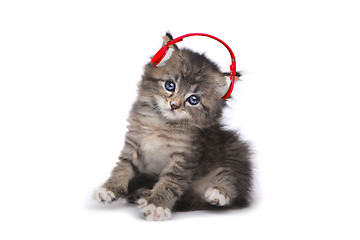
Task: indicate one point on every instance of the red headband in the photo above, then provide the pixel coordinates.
(162, 52)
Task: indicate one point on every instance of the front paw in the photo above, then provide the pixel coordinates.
(152, 212)
(101, 194)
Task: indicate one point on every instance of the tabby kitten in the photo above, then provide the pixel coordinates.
(177, 156)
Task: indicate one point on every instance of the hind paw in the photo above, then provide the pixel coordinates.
(215, 197)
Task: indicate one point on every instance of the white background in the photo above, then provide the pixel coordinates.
(68, 72)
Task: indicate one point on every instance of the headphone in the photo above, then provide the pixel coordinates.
(165, 52)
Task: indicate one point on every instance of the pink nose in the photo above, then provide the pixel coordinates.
(174, 106)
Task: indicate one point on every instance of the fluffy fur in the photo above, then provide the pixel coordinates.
(177, 156)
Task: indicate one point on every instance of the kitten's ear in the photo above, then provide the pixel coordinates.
(225, 82)
(167, 38)
(237, 75)
(169, 50)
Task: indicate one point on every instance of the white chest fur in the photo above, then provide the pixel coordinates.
(156, 152)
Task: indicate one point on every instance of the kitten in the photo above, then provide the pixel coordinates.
(177, 156)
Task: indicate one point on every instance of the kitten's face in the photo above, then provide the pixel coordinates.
(188, 88)
(178, 101)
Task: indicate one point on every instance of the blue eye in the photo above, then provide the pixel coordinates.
(193, 99)
(170, 86)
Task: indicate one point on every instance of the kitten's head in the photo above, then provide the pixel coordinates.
(187, 88)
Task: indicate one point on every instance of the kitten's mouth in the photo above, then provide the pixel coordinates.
(171, 114)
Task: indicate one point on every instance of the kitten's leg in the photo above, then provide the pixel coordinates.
(140, 186)
(217, 187)
(230, 183)
(175, 180)
(117, 185)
